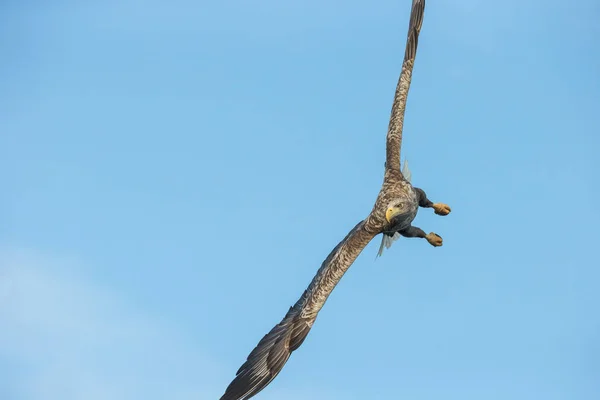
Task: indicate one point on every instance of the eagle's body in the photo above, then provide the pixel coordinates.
(409, 198)
(395, 208)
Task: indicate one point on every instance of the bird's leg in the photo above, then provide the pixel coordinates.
(412, 231)
(439, 208)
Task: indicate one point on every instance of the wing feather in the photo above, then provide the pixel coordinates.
(268, 358)
(394, 134)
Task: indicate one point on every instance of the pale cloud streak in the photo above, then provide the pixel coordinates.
(71, 339)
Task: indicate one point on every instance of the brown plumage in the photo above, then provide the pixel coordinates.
(394, 134)
(272, 352)
(274, 349)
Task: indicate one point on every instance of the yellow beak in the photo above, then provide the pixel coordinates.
(391, 213)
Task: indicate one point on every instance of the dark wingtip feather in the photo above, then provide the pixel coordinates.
(414, 28)
(268, 358)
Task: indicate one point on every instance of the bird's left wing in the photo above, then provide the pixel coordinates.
(394, 134)
(272, 352)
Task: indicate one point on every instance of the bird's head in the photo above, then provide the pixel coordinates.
(396, 208)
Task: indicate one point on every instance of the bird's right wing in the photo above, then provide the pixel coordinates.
(394, 134)
(272, 352)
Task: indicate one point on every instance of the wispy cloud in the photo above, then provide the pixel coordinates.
(71, 339)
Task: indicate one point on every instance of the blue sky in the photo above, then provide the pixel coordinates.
(174, 174)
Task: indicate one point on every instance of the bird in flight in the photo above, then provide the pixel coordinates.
(395, 208)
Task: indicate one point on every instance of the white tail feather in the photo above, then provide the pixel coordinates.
(406, 171)
(386, 242)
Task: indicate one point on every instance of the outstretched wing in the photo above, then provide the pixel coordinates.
(272, 352)
(394, 134)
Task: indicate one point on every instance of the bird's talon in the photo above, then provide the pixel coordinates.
(441, 209)
(434, 239)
